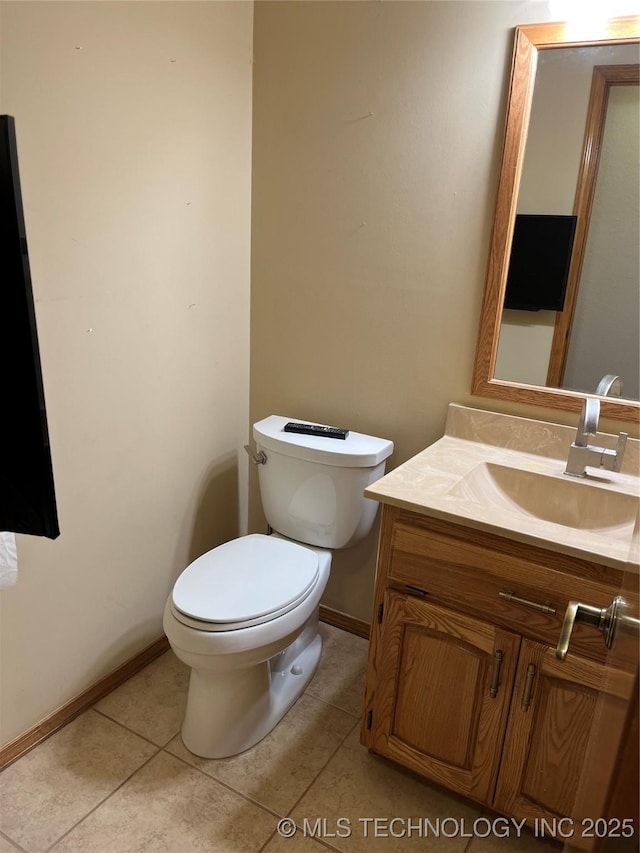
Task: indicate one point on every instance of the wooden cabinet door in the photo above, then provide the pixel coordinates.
(553, 710)
(441, 703)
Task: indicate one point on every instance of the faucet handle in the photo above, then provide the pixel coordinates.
(612, 459)
(620, 448)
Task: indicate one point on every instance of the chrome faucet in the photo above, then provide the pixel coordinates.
(581, 453)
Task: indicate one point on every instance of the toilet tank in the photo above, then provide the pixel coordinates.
(312, 486)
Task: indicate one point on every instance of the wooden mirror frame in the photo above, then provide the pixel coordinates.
(528, 41)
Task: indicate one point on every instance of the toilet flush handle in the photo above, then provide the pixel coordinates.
(259, 458)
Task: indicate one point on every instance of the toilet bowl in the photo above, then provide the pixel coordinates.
(244, 616)
(247, 668)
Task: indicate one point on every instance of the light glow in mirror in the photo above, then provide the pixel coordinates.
(583, 14)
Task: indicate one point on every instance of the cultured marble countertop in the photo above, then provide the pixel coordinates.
(439, 482)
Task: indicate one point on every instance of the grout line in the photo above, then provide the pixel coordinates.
(224, 784)
(273, 835)
(468, 846)
(323, 768)
(132, 731)
(322, 842)
(12, 842)
(319, 841)
(331, 704)
(102, 802)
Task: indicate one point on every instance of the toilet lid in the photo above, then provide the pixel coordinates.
(246, 580)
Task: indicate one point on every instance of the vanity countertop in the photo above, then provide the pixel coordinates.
(486, 473)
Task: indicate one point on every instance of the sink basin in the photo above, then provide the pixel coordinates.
(559, 500)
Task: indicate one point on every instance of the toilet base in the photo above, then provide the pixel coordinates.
(229, 715)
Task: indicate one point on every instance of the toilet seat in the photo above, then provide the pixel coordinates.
(245, 582)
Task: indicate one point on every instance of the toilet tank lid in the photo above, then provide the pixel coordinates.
(357, 450)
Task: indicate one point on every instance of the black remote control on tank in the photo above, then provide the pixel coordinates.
(315, 429)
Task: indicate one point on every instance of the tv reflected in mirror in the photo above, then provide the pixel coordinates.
(539, 262)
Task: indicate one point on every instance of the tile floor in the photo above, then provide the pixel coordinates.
(118, 779)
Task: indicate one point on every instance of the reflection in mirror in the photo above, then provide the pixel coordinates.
(605, 332)
(572, 147)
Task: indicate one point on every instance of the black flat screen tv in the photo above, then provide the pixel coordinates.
(539, 262)
(27, 497)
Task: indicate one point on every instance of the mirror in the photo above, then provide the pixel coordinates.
(491, 378)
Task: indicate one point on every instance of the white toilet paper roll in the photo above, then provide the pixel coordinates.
(8, 560)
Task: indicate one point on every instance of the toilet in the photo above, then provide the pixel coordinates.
(244, 616)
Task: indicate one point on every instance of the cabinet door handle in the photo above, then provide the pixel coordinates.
(495, 678)
(415, 590)
(544, 608)
(528, 686)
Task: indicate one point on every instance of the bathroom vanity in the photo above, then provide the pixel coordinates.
(483, 544)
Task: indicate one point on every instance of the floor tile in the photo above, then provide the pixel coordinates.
(170, 807)
(153, 701)
(358, 787)
(7, 847)
(498, 841)
(278, 770)
(340, 678)
(295, 844)
(48, 790)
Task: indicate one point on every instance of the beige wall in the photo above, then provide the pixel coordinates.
(376, 148)
(134, 138)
